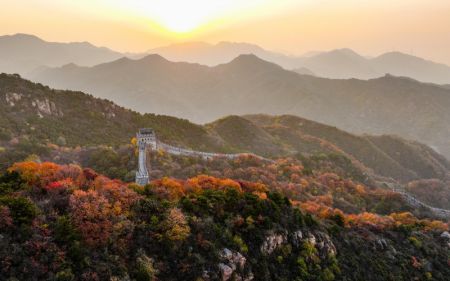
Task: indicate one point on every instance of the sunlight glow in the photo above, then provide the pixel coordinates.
(183, 16)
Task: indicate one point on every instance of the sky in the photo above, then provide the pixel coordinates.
(418, 27)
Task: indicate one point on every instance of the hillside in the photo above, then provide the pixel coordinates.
(24, 54)
(69, 223)
(386, 155)
(249, 85)
(34, 116)
(35, 112)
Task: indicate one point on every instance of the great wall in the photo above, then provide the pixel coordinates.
(147, 138)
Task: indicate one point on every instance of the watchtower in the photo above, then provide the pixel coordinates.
(145, 137)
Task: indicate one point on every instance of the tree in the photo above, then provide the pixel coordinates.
(92, 214)
(176, 226)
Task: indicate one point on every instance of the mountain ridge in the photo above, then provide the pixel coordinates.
(23, 53)
(35, 113)
(250, 85)
(340, 63)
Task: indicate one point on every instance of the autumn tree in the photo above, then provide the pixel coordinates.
(176, 226)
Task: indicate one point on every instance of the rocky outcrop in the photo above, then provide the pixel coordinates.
(320, 240)
(46, 107)
(13, 98)
(446, 237)
(233, 264)
(380, 244)
(272, 242)
(324, 245)
(297, 238)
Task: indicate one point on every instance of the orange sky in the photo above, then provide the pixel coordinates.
(420, 27)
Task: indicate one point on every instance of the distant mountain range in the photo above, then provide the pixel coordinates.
(33, 113)
(338, 64)
(22, 53)
(25, 54)
(250, 85)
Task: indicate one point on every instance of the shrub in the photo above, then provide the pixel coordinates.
(22, 210)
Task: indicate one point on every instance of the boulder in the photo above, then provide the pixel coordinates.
(272, 242)
(225, 271)
(445, 235)
(297, 237)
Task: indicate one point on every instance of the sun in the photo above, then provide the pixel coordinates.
(185, 16)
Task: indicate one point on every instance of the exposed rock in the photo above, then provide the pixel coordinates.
(272, 242)
(206, 275)
(13, 98)
(225, 271)
(380, 244)
(324, 244)
(110, 115)
(311, 238)
(239, 259)
(445, 235)
(234, 259)
(226, 254)
(297, 237)
(46, 107)
(236, 262)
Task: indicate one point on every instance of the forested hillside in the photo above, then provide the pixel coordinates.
(68, 223)
(38, 120)
(250, 85)
(301, 217)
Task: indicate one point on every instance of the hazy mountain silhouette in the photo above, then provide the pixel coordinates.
(339, 63)
(22, 53)
(400, 64)
(247, 84)
(304, 71)
(25, 54)
(222, 52)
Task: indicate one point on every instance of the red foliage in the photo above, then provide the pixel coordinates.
(92, 214)
(60, 185)
(101, 215)
(89, 174)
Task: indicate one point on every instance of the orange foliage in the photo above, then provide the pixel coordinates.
(168, 188)
(366, 219)
(173, 189)
(253, 187)
(405, 218)
(320, 210)
(36, 173)
(204, 182)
